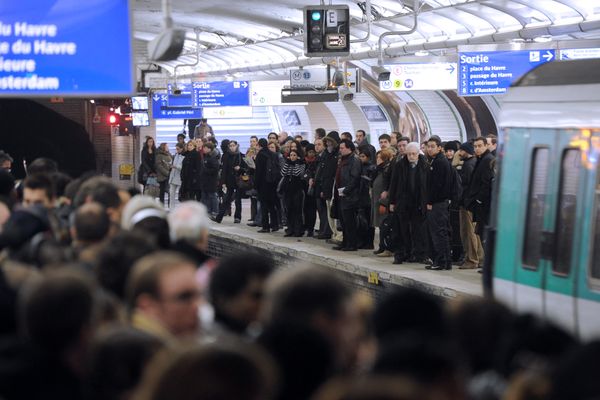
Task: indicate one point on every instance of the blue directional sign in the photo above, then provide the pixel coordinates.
(65, 48)
(492, 72)
(184, 99)
(220, 94)
(161, 109)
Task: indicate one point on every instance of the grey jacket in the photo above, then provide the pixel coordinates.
(163, 165)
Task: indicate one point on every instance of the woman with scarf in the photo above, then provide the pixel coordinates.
(380, 202)
(292, 187)
(310, 200)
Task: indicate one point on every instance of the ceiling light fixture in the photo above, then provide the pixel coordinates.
(542, 39)
(422, 53)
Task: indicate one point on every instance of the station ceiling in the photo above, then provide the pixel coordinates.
(265, 37)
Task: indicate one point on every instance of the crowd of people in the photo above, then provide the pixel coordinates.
(106, 295)
(429, 202)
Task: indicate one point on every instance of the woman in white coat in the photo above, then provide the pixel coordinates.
(175, 177)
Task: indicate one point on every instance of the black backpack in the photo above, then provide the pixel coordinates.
(273, 169)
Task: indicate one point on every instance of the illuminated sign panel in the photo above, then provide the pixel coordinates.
(420, 76)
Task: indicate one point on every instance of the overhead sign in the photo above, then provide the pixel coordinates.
(183, 98)
(66, 47)
(492, 72)
(579, 54)
(421, 76)
(220, 94)
(161, 109)
(267, 93)
(308, 78)
(227, 112)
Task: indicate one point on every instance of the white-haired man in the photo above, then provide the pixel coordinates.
(409, 202)
(188, 226)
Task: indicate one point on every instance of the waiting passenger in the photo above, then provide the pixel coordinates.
(267, 177)
(209, 176)
(163, 296)
(324, 181)
(175, 176)
(348, 191)
(91, 226)
(232, 166)
(380, 205)
(163, 162)
(478, 198)
(292, 188)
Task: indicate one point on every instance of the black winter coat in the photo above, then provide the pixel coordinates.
(478, 197)
(209, 174)
(293, 176)
(325, 174)
(228, 173)
(350, 181)
(148, 161)
(466, 174)
(403, 199)
(190, 172)
(440, 179)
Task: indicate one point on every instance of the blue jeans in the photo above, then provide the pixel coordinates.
(209, 199)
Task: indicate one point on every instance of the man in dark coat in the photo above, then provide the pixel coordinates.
(266, 188)
(324, 179)
(478, 198)
(190, 174)
(439, 193)
(348, 191)
(410, 205)
(471, 242)
(363, 143)
(208, 178)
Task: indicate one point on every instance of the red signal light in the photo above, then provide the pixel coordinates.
(113, 119)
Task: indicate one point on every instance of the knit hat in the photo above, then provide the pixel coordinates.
(452, 145)
(468, 147)
(310, 147)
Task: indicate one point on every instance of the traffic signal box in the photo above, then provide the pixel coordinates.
(326, 30)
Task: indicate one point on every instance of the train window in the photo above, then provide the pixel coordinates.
(595, 266)
(566, 211)
(538, 191)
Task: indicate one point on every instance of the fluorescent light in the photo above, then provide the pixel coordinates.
(422, 53)
(542, 39)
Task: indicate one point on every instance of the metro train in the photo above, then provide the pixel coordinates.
(544, 234)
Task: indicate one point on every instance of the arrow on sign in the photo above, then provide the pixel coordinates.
(450, 68)
(156, 97)
(245, 84)
(548, 56)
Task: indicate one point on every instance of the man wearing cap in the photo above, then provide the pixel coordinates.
(471, 242)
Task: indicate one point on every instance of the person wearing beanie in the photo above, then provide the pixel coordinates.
(449, 149)
(473, 250)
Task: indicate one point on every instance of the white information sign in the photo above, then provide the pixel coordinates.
(308, 78)
(579, 54)
(227, 112)
(420, 76)
(268, 93)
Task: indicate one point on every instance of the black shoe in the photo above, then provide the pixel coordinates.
(275, 230)
(323, 236)
(437, 268)
(340, 247)
(251, 219)
(288, 234)
(263, 231)
(379, 251)
(215, 219)
(349, 249)
(366, 247)
(459, 263)
(252, 224)
(309, 233)
(299, 234)
(398, 260)
(237, 221)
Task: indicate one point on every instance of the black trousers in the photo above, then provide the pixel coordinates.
(439, 231)
(456, 242)
(366, 236)
(324, 228)
(348, 219)
(310, 212)
(267, 198)
(232, 195)
(164, 188)
(293, 207)
(416, 241)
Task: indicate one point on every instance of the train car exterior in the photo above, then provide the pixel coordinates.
(547, 222)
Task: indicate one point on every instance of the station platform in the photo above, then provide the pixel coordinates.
(362, 269)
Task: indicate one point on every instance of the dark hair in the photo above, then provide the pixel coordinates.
(181, 135)
(493, 137)
(233, 274)
(254, 137)
(320, 133)
(224, 146)
(349, 144)
(273, 133)
(435, 139)
(61, 181)
(99, 189)
(148, 138)
(364, 151)
(117, 257)
(119, 349)
(262, 143)
(56, 309)
(42, 165)
(40, 181)
(347, 134)
(385, 136)
(5, 157)
(91, 222)
(156, 228)
(7, 183)
(403, 139)
(362, 131)
(209, 145)
(480, 139)
(179, 145)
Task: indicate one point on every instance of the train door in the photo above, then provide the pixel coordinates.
(539, 156)
(565, 222)
(588, 277)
